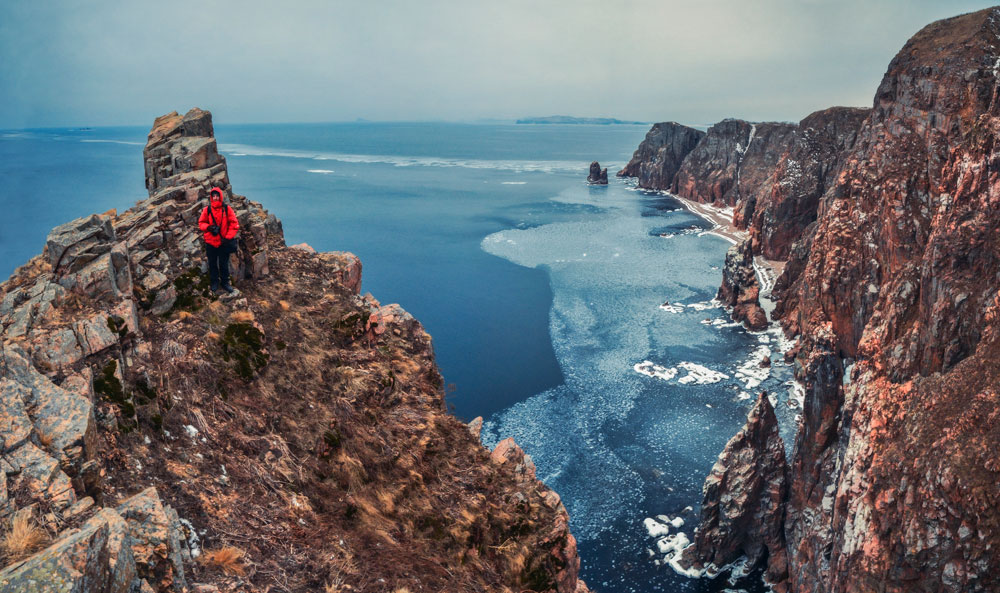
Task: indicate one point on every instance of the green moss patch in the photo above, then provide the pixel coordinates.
(107, 385)
(192, 289)
(243, 346)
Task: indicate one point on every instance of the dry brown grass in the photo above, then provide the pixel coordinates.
(184, 315)
(285, 306)
(23, 538)
(227, 559)
(241, 316)
(45, 439)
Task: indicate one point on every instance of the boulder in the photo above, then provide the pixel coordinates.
(74, 244)
(93, 559)
(157, 540)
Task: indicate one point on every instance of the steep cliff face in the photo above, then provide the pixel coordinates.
(772, 174)
(894, 291)
(732, 161)
(295, 438)
(659, 156)
(788, 200)
(902, 275)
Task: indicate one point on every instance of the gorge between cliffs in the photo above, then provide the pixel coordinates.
(763, 357)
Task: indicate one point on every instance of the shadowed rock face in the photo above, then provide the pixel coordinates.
(732, 161)
(740, 289)
(743, 510)
(302, 422)
(787, 201)
(660, 154)
(597, 176)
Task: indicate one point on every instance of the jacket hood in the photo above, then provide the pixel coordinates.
(215, 196)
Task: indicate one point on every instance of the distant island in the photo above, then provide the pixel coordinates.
(567, 119)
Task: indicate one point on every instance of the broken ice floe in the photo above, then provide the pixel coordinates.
(696, 374)
(750, 372)
(699, 375)
(656, 371)
(669, 308)
(681, 307)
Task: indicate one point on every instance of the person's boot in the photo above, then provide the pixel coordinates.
(226, 286)
(214, 287)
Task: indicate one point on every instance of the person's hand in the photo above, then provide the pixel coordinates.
(214, 229)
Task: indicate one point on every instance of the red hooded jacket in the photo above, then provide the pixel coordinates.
(220, 214)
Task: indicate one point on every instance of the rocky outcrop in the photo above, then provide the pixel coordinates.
(659, 156)
(894, 293)
(597, 176)
(772, 174)
(742, 514)
(740, 290)
(732, 161)
(294, 438)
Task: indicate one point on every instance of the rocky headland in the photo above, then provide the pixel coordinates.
(156, 438)
(888, 218)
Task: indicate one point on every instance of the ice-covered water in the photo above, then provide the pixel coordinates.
(651, 392)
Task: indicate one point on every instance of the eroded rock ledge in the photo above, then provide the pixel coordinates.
(294, 438)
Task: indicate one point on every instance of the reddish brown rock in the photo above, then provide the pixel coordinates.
(893, 479)
(732, 161)
(743, 511)
(788, 200)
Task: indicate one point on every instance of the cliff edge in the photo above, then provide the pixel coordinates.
(157, 438)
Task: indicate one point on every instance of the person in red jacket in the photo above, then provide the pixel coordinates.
(219, 225)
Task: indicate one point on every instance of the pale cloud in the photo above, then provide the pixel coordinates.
(90, 63)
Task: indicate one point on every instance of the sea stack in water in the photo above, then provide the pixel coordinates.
(598, 176)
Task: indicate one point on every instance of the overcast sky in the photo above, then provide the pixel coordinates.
(79, 62)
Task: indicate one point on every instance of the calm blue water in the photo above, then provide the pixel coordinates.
(541, 293)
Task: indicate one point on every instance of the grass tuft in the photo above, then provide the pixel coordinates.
(23, 538)
(227, 559)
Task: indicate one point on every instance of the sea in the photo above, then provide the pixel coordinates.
(578, 319)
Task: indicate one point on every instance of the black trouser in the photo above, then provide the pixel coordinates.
(218, 264)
